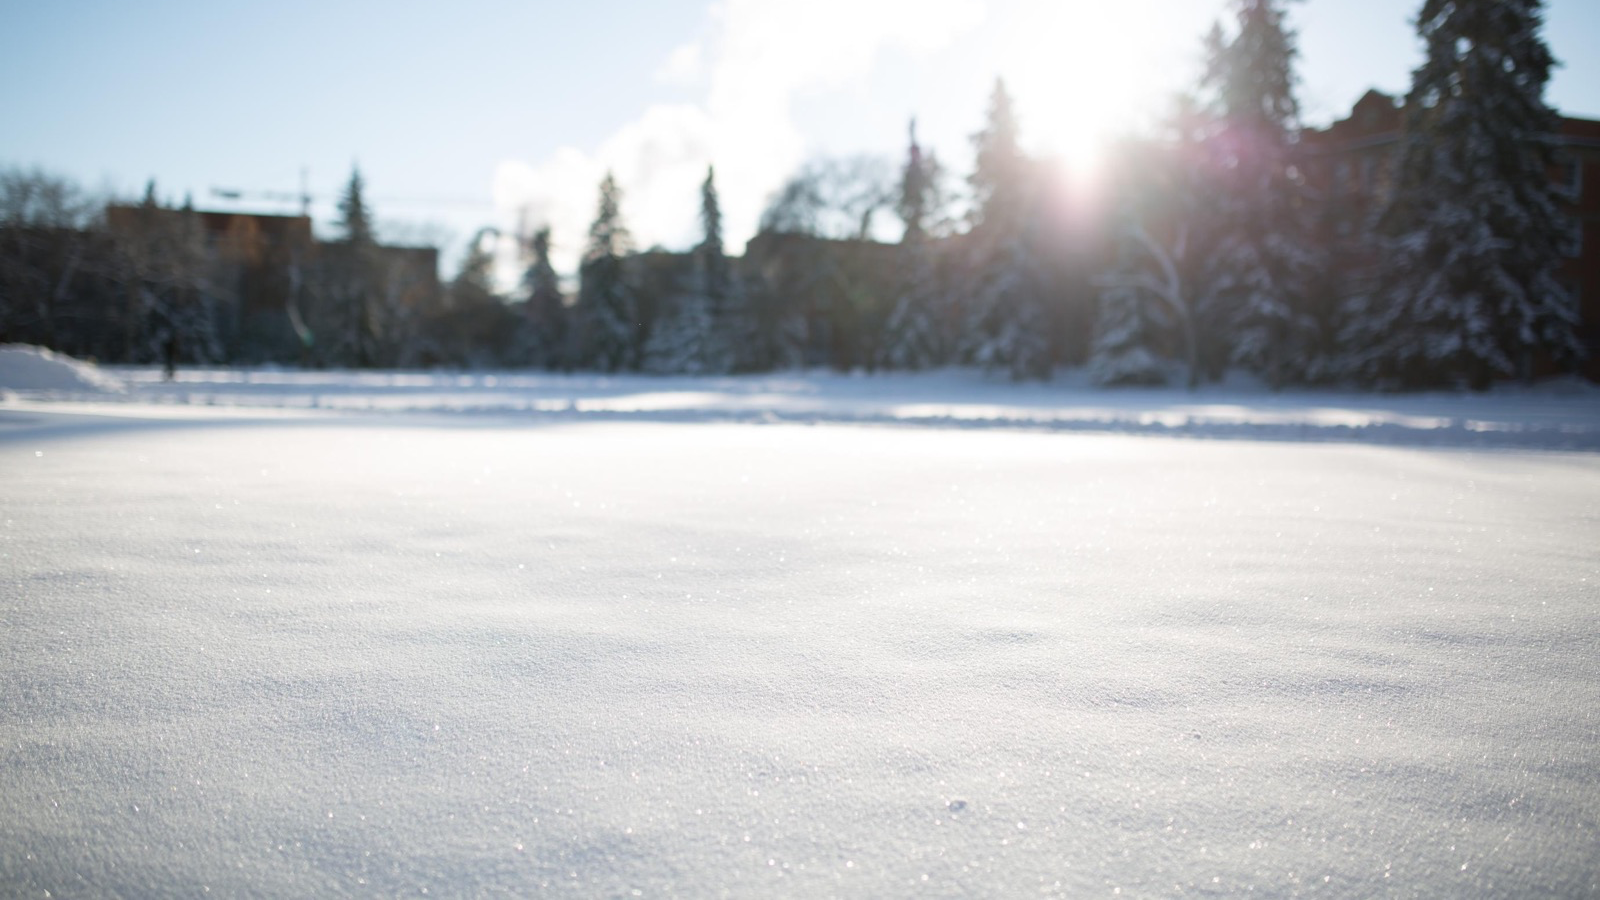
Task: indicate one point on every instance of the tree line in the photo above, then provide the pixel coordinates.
(1214, 255)
(148, 281)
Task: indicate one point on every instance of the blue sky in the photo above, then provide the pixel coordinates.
(486, 111)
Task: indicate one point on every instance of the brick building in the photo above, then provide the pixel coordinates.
(270, 269)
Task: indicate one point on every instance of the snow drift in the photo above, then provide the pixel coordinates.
(24, 367)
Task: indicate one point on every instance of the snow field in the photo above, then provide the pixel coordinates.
(370, 655)
(1552, 416)
(1557, 415)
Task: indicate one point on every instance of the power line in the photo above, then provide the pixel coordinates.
(307, 198)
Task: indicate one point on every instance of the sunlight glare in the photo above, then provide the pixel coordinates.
(1081, 76)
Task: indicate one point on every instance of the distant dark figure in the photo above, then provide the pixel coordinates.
(169, 354)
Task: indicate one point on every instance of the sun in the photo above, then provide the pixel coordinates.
(1080, 78)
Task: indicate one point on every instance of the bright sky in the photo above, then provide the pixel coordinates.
(481, 112)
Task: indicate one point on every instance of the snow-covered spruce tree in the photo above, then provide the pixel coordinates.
(544, 340)
(1009, 316)
(1128, 317)
(914, 338)
(355, 219)
(351, 287)
(717, 283)
(1261, 260)
(606, 304)
(475, 327)
(1004, 307)
(1148, 302)
(678, 339)
(1467, 289)
(474, 282)
(694, 337)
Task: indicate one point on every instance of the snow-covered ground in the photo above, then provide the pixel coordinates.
(648, 648)
(1562, 415)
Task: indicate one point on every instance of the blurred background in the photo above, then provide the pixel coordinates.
(467, 131)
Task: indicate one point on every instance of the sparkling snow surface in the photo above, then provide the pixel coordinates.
(343, 654)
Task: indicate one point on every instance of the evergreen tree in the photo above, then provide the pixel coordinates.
(701, 330)
(694, 336)
(355, 220)
(351, 307)
(1005, 319)
(715, 273)
(679, 343)
(1148, 307)
(474, 283)
(913, 337)
(1008, 319)
(1120, 354)
(475, 327)
(1467, 290)
(545, 322)
(1261, 261)
(606, 302)
(1128, 319)
(1001, 171)
(916, 189)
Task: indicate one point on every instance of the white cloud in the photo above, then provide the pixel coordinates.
(684, 66)
(760, 56)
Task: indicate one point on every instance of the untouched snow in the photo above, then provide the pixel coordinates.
(256, 650)
(39, 371)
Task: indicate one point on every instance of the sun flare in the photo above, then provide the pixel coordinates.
(1081, 78)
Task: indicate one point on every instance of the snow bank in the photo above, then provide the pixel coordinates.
(24, 367)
